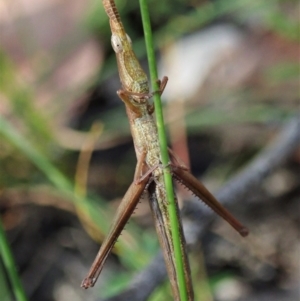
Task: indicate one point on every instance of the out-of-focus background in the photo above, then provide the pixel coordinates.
(66, 154)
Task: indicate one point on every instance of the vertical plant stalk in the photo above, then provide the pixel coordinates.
(164, 150)
(10, 267)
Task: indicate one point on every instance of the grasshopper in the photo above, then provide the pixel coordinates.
(149, 171)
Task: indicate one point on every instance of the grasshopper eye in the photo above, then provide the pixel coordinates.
(116, 43)
(128, 38)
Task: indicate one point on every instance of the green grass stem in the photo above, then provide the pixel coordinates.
(164, 152)
(10, 267)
